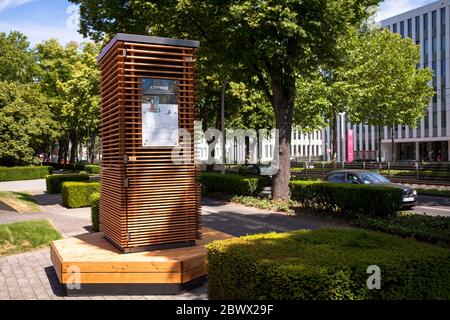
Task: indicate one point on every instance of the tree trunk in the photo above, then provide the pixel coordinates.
(60, 151)
(222, 124)
(379, 143)
(334, 139)
(92, 141)
(309, 148)
(73, 148)
(392, 144)
(283, 92)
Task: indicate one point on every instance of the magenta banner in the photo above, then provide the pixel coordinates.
(350, 148)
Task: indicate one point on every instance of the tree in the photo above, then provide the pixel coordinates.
(329, 91)
(393, 91)
(26, 124)
(274, 41)
(17, 62)
(68, 76)
(311, 105)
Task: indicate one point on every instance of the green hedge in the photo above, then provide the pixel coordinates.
(350, 199)
(418, 226)
(92, 168)
(326, 264)
(78, 194)
(54, 182)
(24, 173)
(95, 211)
(231, 184)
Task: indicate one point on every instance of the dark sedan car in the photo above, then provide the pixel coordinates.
(370, 177)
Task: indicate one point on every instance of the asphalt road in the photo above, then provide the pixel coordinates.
(436, 206)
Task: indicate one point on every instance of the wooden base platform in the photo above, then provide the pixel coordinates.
(90, 264)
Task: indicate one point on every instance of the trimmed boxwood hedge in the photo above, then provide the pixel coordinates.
(95, 211)
(326, 264)
(24, 173)
(54, 182)
(350, 199)
(78, 194)
(406, 224)
(92, 168)
(231, 184)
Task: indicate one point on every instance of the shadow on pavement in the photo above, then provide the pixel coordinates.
(45, 199)
(56, 286)
(5, 207)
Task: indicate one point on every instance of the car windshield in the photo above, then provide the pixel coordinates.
(372, 177)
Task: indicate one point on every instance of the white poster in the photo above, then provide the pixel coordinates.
(159, 113)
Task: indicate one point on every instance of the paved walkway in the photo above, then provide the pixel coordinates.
(31, 275)
(19, 186)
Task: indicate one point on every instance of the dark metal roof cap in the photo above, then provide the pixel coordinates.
(147, 39)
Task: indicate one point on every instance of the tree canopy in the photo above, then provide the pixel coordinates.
(272, 41)
(392, 90)
(48, 98)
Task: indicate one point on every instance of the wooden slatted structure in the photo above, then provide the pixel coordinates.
(147, 201)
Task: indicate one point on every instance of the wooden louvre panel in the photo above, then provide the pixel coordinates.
(147, 199)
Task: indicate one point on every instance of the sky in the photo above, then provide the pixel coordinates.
(45, 19)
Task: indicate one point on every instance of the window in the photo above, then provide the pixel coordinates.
(417, 27)
(336, 177)
(434, 45)
(394, 28)
(434, 67)
(352, 178)
(402, 29)
(433, 23)
(443, 20)
(434, 119)
(443, 95)
(443, 69)
(409, 26)
(425, 25)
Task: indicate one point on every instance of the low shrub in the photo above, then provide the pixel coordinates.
(54, 182)
(326, 264)
(262, 203)
(231, 184)
(24, 173)
(421, 227)
(95, 211)
(69, 167)
(433, 192)
(350, 199)
(92, 168)
(78, 194)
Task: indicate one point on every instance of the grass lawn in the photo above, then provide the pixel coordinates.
(22, 202)
(26, 236)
